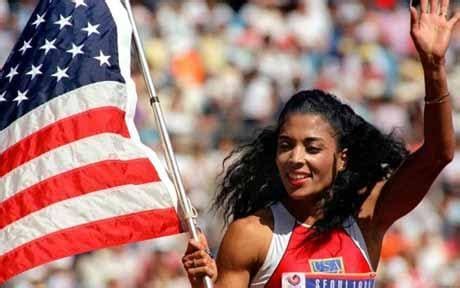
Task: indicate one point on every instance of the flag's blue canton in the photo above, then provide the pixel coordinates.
(66, 44)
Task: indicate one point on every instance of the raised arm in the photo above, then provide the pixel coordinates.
(431, 31)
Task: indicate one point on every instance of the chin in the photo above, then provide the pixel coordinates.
(301, 194)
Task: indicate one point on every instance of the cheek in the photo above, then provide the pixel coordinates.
(281, 159)
(322, 165)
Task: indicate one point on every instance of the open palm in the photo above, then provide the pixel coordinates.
(431, 30)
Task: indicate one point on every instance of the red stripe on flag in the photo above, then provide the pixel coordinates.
(67, 130)
(105, 233)
(80, 181)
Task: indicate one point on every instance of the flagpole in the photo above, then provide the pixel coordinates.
(166, 141)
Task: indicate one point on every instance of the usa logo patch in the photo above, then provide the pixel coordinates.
(329, 265)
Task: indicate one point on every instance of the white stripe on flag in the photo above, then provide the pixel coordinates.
(65, 158)
(91, 207)
(101, 94)
(124, 32)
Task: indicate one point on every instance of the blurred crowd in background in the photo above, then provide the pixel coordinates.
(223, 70)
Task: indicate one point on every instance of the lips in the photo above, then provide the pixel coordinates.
(297, 179)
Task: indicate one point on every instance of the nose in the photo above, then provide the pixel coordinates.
(297, 155)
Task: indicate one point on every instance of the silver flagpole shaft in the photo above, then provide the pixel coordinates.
(170, 158)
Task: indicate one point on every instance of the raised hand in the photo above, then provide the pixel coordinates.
(431, 30)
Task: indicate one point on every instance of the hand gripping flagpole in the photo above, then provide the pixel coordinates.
(170, 158)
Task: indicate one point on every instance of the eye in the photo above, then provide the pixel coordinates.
(284, 145)
(313, 149)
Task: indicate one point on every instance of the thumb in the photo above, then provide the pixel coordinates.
(413, 18)
(203, 240)
(194, 245)
(454, 20)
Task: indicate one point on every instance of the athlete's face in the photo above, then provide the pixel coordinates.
(307, 155)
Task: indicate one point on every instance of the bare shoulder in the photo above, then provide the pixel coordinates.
(259, 222)
(246, 242)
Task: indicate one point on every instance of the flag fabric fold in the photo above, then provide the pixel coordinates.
(74, 175)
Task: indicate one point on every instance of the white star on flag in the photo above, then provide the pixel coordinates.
(60, 73)
(79, 3)
(65, 118)
(49, 45)
(34, 71)
(91, 29)
(25, 47)
(13, 72)
(63, 21)
(75, 50)
(103, 59)
(21, 96)
(40, 19)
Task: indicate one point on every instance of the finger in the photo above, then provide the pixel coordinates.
(202, 242)
(423, 6)
(201, 272)
(195, 263)
(197, 244)
(454, 20)
(444, 7)
(433, 7)
(193, 246)
(201, 254)
(413, 18)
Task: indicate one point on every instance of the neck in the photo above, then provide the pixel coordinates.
(306, 211)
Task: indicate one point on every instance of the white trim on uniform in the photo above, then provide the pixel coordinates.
(283, 223)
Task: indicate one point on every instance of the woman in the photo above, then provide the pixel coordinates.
(312, 199)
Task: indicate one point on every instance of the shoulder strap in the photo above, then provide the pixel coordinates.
(356, 235)
(283, 223)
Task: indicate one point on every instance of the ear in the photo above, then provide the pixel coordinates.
(342, 160)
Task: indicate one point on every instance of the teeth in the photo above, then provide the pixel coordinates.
(297, 176)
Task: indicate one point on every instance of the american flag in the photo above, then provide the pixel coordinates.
(74, 176)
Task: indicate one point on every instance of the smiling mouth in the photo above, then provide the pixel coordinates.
(298, 179)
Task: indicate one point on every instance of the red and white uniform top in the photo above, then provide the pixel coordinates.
(337, 259)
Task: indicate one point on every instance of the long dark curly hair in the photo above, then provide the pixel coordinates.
(252, 182)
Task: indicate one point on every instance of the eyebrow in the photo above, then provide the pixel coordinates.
(306, 139)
